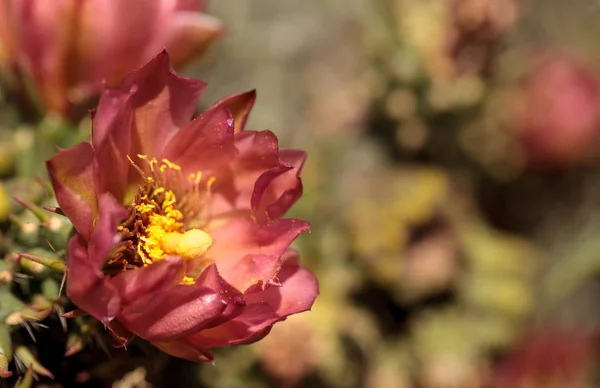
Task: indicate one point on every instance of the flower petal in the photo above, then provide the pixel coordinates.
(243, 236)
(278, 189)
(240, 106)
(250, 270)
(171, 313)
(182, 349)
(86, 285)
(72, 175)
(205, 144)
(190, 34)
(111, 144)
(162, 103)
(298, 291)
(137, 283)
(257, 153)
(105, 235)
(167, 314)
(254, 322)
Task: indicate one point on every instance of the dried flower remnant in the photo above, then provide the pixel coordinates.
(180, 236)
(69, 48)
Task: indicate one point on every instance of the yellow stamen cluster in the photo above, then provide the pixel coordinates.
(164, 232)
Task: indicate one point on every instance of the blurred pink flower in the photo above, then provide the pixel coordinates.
(547, 358)
(180, 236)
(68, 48)
(557, 115)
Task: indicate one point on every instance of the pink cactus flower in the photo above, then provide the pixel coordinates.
(558, 115)
(180, 237)
(69, 48)
(548, 357)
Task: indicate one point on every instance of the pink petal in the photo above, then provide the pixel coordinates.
(44, 40)
(240, 106)
(162, 103)
(250, 270)
(116, 37)
(298, 291)
(182, 349)
(212, 279)
(279, 188)
(253, 323)
(190, 5)
(258, 152)
(190, 34)
(167, 314)
(105, 234)
(135, 284)
(205, 144)
(86, 286)
(111, 143)
(72, 175)
(243, 236)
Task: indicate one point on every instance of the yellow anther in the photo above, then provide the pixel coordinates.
(145, 208)
(158, 191)
(171, 165)
(190, 245)
(152, 163)
(210, 182)
(144, 157)
(188, 280)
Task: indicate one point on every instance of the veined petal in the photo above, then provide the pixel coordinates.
(298, 291)
(172, 313)
(250, 270)
(162, 103)
(72, 175)
(254, 322)
(243, 236)
(165, 273)
(205, 144)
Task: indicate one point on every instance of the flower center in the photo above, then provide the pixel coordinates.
(155, 228)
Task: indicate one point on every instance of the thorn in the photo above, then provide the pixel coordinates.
(75, 313)
(28, 328)
(50, 245)
(60, 311)
(62, 284)
(55, 210)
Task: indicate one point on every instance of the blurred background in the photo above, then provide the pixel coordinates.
(452, 185)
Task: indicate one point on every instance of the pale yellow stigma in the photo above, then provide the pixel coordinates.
(190, 245)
